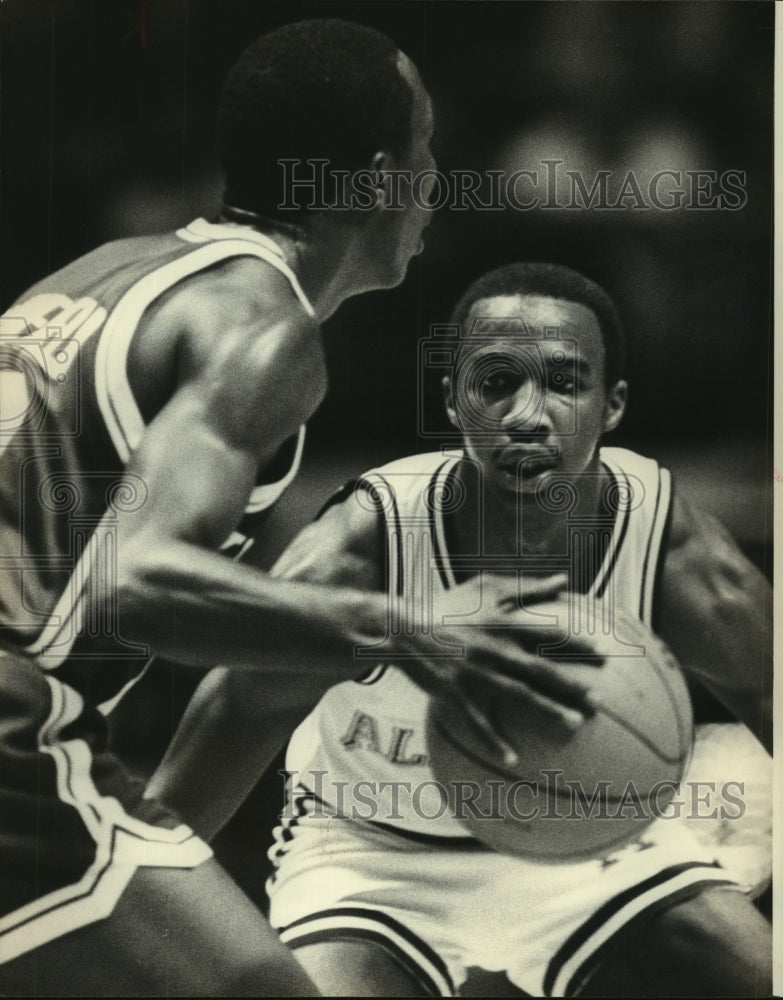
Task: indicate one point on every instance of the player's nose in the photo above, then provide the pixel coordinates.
(526, 409)
(429, 181)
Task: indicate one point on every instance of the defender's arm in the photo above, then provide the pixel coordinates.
(238, 720)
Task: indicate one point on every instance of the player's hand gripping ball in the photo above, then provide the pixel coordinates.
(574, 796)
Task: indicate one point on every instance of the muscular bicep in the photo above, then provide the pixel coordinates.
(715, 612)
(234, 405)
(195, 482)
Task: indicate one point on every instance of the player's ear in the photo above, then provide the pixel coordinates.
(616, 399)
(380, 166)
(448, 400)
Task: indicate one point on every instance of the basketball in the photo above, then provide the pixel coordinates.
(573, 796)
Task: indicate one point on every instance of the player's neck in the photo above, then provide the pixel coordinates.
(326, 259)
(503, 526)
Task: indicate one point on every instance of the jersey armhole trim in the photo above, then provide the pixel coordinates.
(657, 546)
(619, 531)
(382, 501)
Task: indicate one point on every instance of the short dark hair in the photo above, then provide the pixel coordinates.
(326, 89)
(557, 282)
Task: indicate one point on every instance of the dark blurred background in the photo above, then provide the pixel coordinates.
(107, 120)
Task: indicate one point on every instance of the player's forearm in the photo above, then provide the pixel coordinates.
(231, 731)
(739, 671)
(192, 605)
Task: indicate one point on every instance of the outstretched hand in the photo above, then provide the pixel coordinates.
(496, 649)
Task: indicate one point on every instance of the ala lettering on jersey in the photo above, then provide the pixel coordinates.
(364, 733)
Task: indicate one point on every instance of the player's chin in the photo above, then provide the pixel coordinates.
(508, 494)
(399, 274)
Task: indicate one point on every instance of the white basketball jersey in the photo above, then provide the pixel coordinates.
(361, 752)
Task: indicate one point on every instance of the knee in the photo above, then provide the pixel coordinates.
(729, 936)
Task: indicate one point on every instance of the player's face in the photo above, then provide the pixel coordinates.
(405, 226)
(529, 394)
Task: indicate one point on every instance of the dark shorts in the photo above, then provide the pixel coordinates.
(74, 826)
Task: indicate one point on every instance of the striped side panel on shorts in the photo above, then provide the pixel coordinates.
(581, 954)
(357, 923)
(122, 842)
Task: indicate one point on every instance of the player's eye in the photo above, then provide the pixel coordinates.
(499, 383)
(562, 381)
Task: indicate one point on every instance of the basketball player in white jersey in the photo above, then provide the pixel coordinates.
(155, 394)
(378, 888)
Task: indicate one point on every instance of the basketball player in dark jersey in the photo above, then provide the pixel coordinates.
(399, 901)
(154, 398)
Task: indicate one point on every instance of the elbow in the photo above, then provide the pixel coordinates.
(741, 598)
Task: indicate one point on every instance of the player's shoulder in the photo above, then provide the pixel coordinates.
(425, 464)
(640, 485)
(114, 266)
(346, 543)
(400, 486)
(344, 546)
(241, 293)
(702, 557)
(357, 506)
(630, 462)
(237, 317)
(241, 281)
(695, 532)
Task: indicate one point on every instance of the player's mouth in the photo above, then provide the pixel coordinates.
(518, 465)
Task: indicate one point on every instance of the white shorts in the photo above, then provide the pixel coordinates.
(728, 761)
(442, 908)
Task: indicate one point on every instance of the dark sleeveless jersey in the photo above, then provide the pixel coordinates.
(69, 423)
